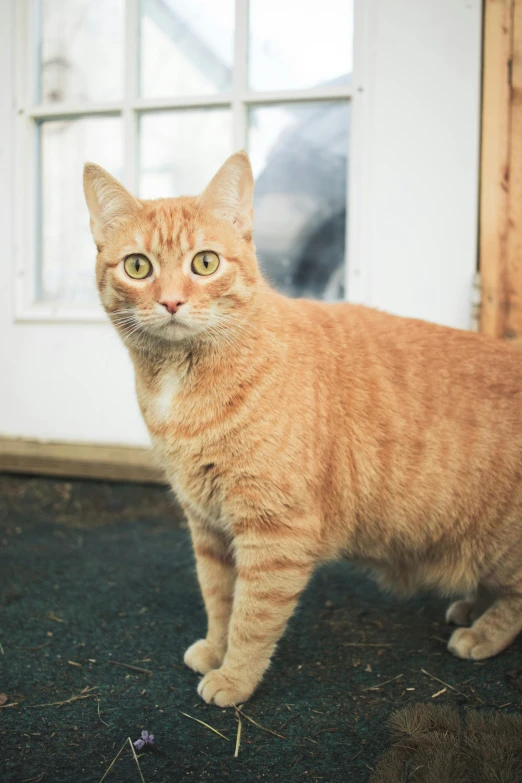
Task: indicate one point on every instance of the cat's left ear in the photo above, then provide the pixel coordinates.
(109, 203)
(231, 192)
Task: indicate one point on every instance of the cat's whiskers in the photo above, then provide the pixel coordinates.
(236, 331)
(224, 331)
(225, 336)
(122, 310)
(127, 313)
(123, 318)
(232, 319)
(126, 331)
(123, 324)
(220, 334)
(215, 343)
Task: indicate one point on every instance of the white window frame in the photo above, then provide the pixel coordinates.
(239, 100)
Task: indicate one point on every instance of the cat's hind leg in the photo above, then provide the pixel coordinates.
(468, 610)
(459, 612)
(492, 632)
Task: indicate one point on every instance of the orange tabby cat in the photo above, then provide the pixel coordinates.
(294, 432)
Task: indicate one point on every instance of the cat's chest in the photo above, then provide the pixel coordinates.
(198, 479)
(193, 468)
(158, 402)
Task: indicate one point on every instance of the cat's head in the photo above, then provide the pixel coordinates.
(175, 269)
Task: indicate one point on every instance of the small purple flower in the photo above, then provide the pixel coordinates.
(146, 739)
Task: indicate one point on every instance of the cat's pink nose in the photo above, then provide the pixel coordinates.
(172, 306)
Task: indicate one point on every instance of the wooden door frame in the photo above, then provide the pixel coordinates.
(500, 242)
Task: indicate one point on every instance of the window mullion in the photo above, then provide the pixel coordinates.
(27, 158)
(321, 93)
(57, 111)
(357, 239)
(129, 114)
(240, 82)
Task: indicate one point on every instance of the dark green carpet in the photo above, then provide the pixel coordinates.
(92, 573)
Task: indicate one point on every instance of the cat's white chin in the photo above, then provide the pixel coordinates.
(174, 331)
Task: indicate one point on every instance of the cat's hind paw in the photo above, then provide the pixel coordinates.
(218, 688)
(202, 658)
(459, 613)
(473, 645)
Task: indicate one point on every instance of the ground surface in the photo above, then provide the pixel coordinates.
(92, 573)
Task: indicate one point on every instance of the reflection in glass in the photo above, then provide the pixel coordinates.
(298, 45)
(67, 253)
(180, 151)
(186, 47)
(299, 156)
(81, 50)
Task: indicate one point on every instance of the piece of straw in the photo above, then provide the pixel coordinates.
(136, 759)
(238, 738)
(207, 726)
(82, 695)
(375, 687)
(116, 757)
(113, 762)
(263, 728)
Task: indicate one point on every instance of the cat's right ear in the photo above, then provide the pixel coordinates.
(107, 200)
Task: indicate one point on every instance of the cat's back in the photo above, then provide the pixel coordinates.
(359, 343)
(466, 367)
(407, 396)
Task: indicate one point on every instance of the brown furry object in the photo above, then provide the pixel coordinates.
(434, 745)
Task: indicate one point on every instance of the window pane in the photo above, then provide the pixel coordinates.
(186, 47)
(67, 249)
(294, 46)
(81, 50)
(299, 156)
(181, 150)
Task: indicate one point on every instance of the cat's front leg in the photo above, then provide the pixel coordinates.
(216, 575)
(272, 572)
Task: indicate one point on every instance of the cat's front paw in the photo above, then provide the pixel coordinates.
(202, 657)
(219, 688)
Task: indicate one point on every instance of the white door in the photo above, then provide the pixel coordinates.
(362, 126)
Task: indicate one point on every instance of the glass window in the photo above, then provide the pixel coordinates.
(67, 249)
(298, 45)
(299, 156)
(186, 47)
(81, 50)
(179, 105)
(181, 150)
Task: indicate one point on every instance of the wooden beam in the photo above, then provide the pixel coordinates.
(513, 323)
(495, 163)
(79, 460)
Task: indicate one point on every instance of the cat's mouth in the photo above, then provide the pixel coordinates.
(173, 329)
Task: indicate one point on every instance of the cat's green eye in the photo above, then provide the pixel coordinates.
(137, 266)
(205, 263)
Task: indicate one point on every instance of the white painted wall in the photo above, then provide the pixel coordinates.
(419, 223)
(414, 219)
